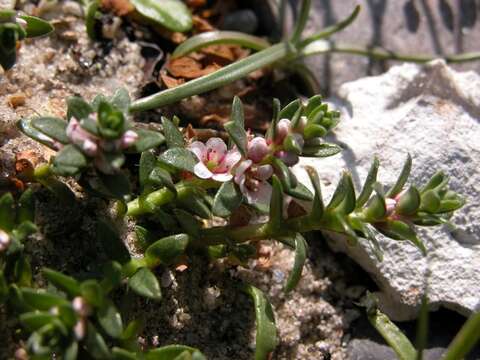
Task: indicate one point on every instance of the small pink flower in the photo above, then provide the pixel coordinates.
(282, 130)
(128, 139)
(82, 138)
(4, 241)
(257, 149)
(215, 160)
(252, 180)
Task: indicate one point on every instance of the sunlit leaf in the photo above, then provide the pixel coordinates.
(227, 199)
(172, 14)
(300, 256)
(402, 178)
(145, 284)
(266, 331)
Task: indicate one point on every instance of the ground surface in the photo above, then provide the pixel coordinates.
(201, 306)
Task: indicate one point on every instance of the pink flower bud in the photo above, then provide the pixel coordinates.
(289, 158)
(128, 139)
(257, 149)
(282, 130)
(80, 329)
(89, 147)
(81, 307)
(4, 241)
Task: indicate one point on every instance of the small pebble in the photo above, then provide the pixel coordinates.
(16, 100)
(167, 278)
(242, 20)
(278, 276)
(72, 8)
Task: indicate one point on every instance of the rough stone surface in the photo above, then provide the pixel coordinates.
(433, 113)
(404, 26)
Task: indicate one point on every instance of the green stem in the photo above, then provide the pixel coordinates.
(377, 53)
(224, 76)
(217, 235)
(148, 203)
(301, 21)
(466, 338)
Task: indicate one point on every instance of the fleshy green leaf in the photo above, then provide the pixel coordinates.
(121, 354)
(173, 136)
(430, 201)
(23, 272)
(338, 194)
(26, 207)
(115, 186)
(90, 18)
(109, 319)
(26, 127)
(409, 202)
(266, 336)
(161, 177)
(402, 230)
(276, 220)
(112, 243)
(288, 111)
(300, 192)
(169, 352)
(209, 38)
(188, 222)
(321, 150)
(227, 199)
(171, 14)
(62, 282)
(390, 332)
(41, 300)
(78, 108)
(36, 26)
(92, 292)
(438, 180)
(194, 200)
(402, 178)
(236, 126)
(147, 164)
(368, 185)
(313, 103)
(145, 284)
(69, 161)
(318, 207)
(7, 212)
(179, 159)
(314, 130)
(71, 352)
(376, 208)
(167, 249)
(52, 127)
(96, 344)
(121, 100)
(300, 256)
(147, 139)
(348, 203)
(35, 320)
(272, 129)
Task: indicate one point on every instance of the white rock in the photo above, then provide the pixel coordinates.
(432, 112)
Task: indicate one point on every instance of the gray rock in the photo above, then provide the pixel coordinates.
(432, 112)
(403, 26)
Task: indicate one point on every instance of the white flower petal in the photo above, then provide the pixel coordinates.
(232, 158)
(240, 171)
(216, 149)
(199, 149)
(222, 177)
(261, 196)
(201, 171)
